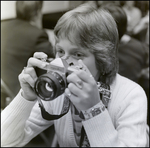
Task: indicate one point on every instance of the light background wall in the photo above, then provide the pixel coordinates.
(8, 8)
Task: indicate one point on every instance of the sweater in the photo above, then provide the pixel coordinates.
(122, 124)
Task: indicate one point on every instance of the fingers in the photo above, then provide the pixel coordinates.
(28, 75)
(74, 89)
(38, 60)
(33, 62)
(84, 67)
(81, 75)
(27, 84)
(31, 72)
(73, 98)
(84, 74)
(40, 55)
(26, 78)
(73, 78)
(67, 93)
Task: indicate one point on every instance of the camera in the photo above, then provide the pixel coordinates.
(52, 84)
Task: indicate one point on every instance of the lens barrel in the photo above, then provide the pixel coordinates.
(50, 85)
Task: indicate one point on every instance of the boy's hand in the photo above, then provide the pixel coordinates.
(82, 89)
(28, 76)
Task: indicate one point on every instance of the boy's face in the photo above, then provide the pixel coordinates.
(65, 49)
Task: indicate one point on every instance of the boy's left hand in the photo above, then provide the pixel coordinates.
(82, 89)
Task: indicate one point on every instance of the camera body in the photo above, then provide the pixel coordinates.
(52, 84)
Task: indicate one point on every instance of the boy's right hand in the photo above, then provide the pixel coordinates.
(28, 76)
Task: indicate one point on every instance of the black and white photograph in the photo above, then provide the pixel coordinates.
(75, 74)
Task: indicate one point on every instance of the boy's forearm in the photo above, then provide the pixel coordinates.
(13, 119)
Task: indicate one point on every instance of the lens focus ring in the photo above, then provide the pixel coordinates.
(49, 86)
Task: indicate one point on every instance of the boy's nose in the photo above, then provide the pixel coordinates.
(71, 61)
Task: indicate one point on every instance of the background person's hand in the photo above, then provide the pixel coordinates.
(82, 89)
(28, 76)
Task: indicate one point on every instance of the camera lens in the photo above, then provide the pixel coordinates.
(45, 88)
(50, 85)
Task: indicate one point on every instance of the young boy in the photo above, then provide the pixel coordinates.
(105, 110)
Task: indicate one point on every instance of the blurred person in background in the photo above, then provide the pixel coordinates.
(133, 55)
(143, 6)
(133, 13)
(20, 38)
(141, 30)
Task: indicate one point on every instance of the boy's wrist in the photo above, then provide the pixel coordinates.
(93, 111)
(25, 97)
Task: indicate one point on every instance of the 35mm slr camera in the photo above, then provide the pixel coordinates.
(53, 83)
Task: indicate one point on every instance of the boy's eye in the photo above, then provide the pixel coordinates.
(78, 55)
(60, 53)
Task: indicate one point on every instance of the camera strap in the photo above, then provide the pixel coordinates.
(48, 116)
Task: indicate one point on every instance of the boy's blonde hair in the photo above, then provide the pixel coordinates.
(96, 31)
